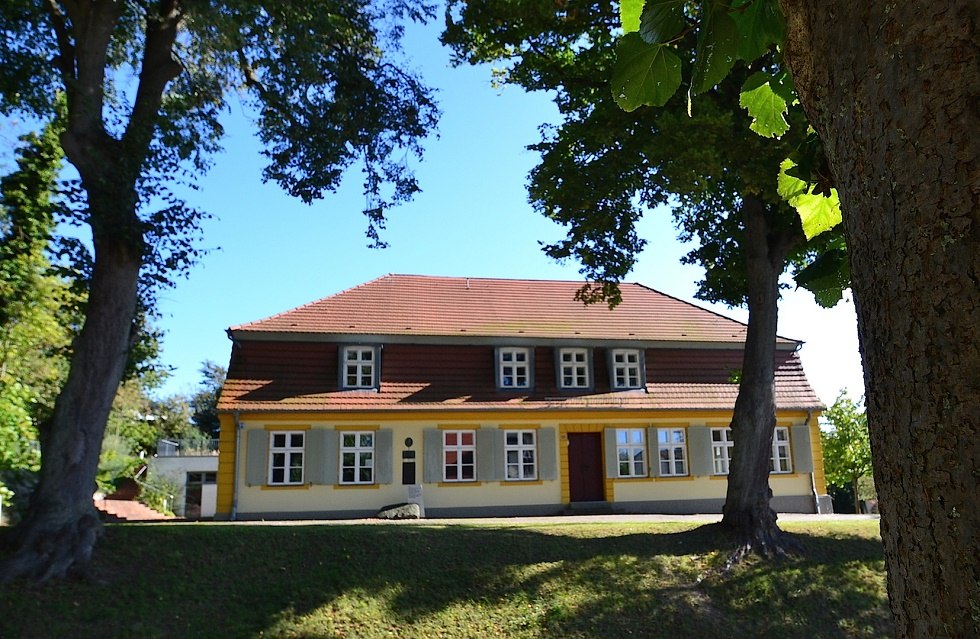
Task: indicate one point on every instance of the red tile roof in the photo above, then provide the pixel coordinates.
(425, 306)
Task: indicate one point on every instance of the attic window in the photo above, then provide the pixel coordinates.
(359, 367)
(513, 368)
(626, 368)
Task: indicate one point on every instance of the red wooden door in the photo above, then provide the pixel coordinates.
(585, 467)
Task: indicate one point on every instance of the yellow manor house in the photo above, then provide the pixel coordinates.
(493, 397)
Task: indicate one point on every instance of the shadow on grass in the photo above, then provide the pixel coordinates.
(603, 581)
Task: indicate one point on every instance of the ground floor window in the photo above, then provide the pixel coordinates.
(721, 449)
(520, 453)
(631, 452)
(672, 448)
(459, 455)
(286, 457)
(357, 458)
(780, 462)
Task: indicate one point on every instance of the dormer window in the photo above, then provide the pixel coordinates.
(359, 367)
(626, 368)
(513, 368)
(573, 368)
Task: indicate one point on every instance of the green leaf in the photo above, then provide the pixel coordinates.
(818, 213)
(765, 105)
(629, 14)
(645, 74)
(760, 25)
(717, 49)
(826, 277)
(662, 20)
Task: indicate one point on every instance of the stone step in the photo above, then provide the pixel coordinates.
(121, 510)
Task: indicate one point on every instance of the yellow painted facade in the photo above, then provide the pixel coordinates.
(236, 499)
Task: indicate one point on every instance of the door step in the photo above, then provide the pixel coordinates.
(589, 508)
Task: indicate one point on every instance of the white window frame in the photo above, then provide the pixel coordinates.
(357, 457)
(359, 367)
(511, 361)
(722, 444)
(631, 451)
(626, 368)
(520, 455)
(573, 368)
(463, 455)
(283, 456)
(781, 462)
(672, 452)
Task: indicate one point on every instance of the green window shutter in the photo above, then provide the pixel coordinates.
(432, 455)
(383, 451)
(322, 456)
(487, 455)
(314, 458)
(547, 454)
(612, 459)
(699, 450)
(653, 447)
(256, 457)
(802, 455)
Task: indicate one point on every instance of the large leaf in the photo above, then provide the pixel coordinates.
(629, 14)
(826, 277)
(760, 25)
(717, 49)
(662, 20)
(818, 213)
(645, 74)
(765, 99)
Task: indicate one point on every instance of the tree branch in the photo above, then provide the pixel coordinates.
(65, 60)
(159, 68)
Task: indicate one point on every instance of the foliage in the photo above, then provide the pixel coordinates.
(595, 580)
(603, 168)
(652, 49)
(205, 401)
(159, 492)
(116, 461)
(35, 327)
(847, 448)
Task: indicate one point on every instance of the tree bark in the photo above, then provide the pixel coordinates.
(747, 512)
(893, 90)
(57, 535)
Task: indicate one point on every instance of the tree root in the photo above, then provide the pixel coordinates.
(44, 552)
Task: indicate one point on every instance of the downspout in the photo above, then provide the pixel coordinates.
(813, 471)
(234, 482)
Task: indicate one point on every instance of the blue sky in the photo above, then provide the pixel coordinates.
(271, 252)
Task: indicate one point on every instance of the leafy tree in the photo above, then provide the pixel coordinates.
(889, 89)
(847, 449)
(205, 401)
(35, 327)
(602, 167)
(144, 86)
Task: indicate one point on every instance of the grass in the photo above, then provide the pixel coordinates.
(563, 580)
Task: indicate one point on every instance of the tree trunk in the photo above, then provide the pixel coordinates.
(60, 529)
(856, 495)
(747, 512)
(893, 90)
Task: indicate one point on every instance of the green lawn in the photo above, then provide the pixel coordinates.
(562, 580)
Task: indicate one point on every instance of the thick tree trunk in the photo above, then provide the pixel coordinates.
(747, 512)
(61, 526)
(893, 90)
